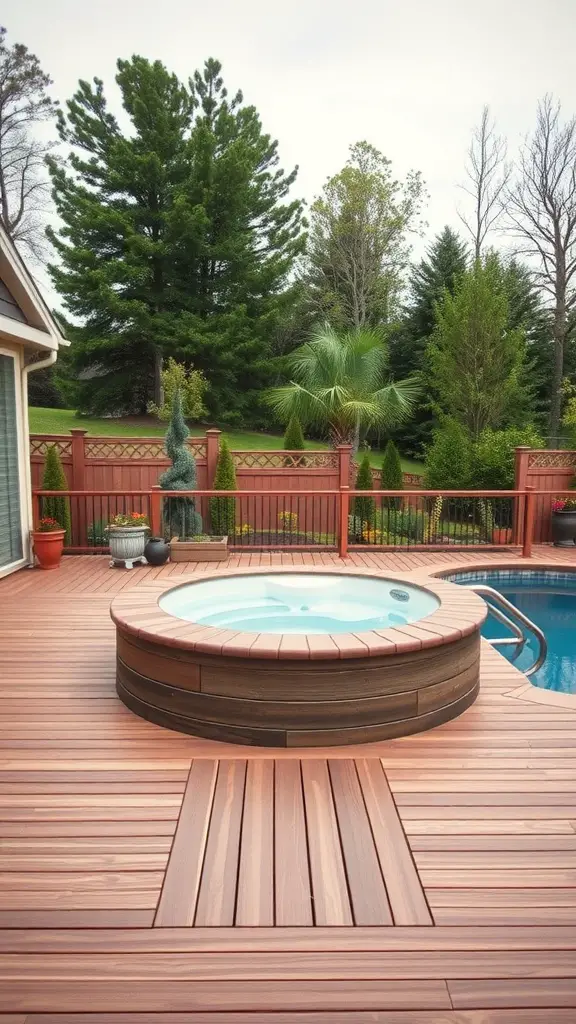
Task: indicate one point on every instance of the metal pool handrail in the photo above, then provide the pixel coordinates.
(505, 613)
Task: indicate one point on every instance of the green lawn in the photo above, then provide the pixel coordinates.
(61, 421)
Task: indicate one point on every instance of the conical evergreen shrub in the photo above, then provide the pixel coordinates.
(180, 516)
(54, 479)
(294, 438)
(365, 508)
(294, 442)
(223, 510)
(391, 478)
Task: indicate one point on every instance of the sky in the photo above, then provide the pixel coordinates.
(411, 77)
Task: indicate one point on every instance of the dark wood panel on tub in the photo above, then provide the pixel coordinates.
(271, 679)
(259, 735)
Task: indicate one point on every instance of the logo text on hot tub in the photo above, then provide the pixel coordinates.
(400, 595)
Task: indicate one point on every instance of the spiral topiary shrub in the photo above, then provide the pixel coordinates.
(180, 516)
(223, 510)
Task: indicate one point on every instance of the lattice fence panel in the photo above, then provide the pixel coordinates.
(287, 460)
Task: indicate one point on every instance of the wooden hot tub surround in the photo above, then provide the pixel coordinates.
(298, 690)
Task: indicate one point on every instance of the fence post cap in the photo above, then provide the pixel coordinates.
(78, 431)
(213, 430)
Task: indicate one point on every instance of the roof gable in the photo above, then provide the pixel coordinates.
(20, 298)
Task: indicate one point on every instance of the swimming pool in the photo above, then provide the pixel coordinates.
(549, 599)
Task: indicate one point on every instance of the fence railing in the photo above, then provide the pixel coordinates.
(338, 519)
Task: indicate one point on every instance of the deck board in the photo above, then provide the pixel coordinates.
(426, 880)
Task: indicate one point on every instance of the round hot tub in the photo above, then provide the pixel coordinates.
(298, 659)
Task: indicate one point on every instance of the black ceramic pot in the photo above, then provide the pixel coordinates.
(564, 529)
(156, 551)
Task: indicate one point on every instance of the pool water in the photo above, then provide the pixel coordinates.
(549, 599)
(300, 603)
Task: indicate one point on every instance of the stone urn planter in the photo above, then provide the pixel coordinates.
(199, 549)
(127, 539)
(564, 522)
(48, 543)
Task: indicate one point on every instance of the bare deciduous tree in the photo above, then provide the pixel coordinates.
(541, 208)
(488, 174)
(24, 186)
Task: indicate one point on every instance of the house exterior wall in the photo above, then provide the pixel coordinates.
(17, 351)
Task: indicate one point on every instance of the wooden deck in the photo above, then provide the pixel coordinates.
(148, 877)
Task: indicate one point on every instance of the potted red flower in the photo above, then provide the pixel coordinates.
(48, 543)
(564, 522)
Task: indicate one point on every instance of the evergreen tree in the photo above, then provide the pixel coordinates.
(391, 477)
(445, 262)
(477, 363)
(180, 515)
(294, 438)
(54, 479)
(177, 239)
(449, 458)
(223, 510)
(365, 508)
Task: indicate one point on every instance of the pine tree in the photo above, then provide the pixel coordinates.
(445, 262)
(477, 362)
(180, 515)
(54, 479)
(178, 240)
(294, 438)
(365, 508)
(391, 477)
(223, 510)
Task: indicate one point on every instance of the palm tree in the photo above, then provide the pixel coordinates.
(340, 384)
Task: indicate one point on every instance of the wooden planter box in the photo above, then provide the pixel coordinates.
(213, 550)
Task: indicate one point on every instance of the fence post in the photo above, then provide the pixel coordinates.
(155, 511)
(212, 449)
(344, 454)
(520, 477)
(529, 509)
(78, 459)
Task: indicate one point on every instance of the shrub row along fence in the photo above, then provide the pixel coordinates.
(341, 519)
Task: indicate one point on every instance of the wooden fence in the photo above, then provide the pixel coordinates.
(548, 473)
(136, 463)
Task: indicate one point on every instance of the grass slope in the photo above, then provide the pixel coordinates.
(62, 421)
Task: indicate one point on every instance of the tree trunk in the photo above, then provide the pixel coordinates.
(559, 334)
(356, 441)
(158, 390)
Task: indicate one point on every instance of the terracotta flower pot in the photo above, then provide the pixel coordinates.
(501, 535)
(48, 547)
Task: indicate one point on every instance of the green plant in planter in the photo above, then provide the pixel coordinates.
(54, 479)
(180, 514)
(223, 510)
